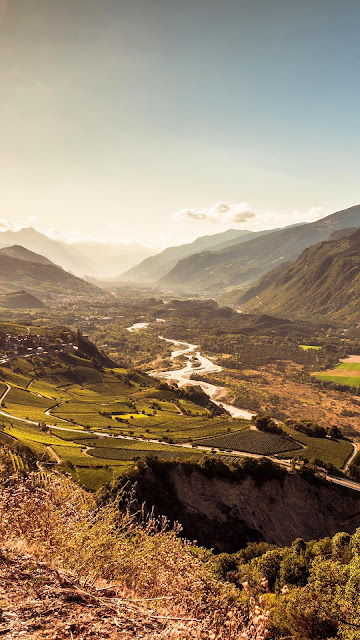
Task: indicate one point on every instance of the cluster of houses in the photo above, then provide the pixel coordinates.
(14, 346)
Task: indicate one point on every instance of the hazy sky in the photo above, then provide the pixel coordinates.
(115, 114)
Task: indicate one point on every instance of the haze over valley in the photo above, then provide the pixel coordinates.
(179, 320)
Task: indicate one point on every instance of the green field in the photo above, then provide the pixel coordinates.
(100, 420)
(335, 452)
(345, 373)
(251, 441)
(349, 366)
(306, 347)
(347, 381)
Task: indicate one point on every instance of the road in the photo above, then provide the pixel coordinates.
(349, 484)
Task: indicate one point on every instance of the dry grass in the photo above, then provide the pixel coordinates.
(153, 571)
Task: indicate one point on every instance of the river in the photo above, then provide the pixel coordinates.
(197, 363)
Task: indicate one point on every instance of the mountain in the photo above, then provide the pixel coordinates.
(111, 259)
(243, 263)
(66, 256)
(323, 281)
(43, 280)
(19, 300)
(16, 251)
(155, 267)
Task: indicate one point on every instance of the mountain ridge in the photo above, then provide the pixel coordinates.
(151, 269)
(44, 280)
(242, 264)
(323, 281)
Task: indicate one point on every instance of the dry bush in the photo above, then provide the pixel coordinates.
(61, 524)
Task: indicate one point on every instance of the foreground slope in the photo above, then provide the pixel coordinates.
(242, 264)
(324, 280)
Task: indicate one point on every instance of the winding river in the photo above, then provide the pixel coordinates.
(197, 363)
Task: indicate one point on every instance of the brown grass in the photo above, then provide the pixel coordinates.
(147, 563)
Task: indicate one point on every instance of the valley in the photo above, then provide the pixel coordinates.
(219, 412)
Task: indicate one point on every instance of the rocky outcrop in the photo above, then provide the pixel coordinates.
(227, 512)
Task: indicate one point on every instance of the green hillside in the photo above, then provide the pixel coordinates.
(323, 281)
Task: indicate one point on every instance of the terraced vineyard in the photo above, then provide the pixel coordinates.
(135, 454)
(93, 421)
(250, 441)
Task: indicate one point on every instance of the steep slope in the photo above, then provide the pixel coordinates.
(155, 267)
(45, 281)
(324, 280)
(225, 509)
(68, 257)
(242, 264)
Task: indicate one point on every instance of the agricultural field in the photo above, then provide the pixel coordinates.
(251, 441)
(93, 421)
(335, 452)
(346, 373)
(306, 347)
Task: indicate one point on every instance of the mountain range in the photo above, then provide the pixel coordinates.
(96, 259)
(323, 281)
(38, 276)
(154, 268)
(241, 264)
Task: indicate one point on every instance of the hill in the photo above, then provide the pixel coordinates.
(43, 280)
(79, 568)
(19, 300)
(155, 267)
(21, 253)
(68, 257)
(323, 281)
(243, 263)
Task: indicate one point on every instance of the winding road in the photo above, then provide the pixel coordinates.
(182, 377)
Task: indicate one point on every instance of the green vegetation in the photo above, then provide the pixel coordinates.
(59, 400)
(323, 450)
(347, 375)
(306, 347)
(250, 441)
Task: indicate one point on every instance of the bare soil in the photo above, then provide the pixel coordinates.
(39, 603)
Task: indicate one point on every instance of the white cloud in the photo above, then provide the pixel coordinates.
(219, 213)
(7, 225)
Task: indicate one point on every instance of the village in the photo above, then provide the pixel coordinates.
(13, 346)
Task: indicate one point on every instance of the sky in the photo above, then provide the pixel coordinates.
(157, 121)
